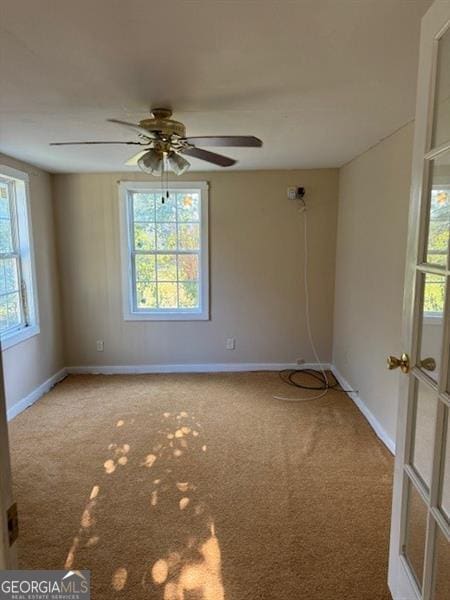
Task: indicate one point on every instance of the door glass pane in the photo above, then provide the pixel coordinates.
(441, 567)
(416, 527)
(445, 497)
(425, 408)
(439, 211)
(441, 125)
(432, 324)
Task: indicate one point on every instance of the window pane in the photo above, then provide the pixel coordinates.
(166, 211)
(10, 313)
(166, 236)
(3, 313)
(13, 309)
(144, 207)
(6, 244)
(187, 267)
(11, 270)
(188, 207)
(441, 568)
(167, 267)
(167, 295)
(145, 267)
(425, 405)
(441, 126)
(188, 295)
(4, 201)
(432, 325)
(416, 526)
(439, 211)
(9, 281)
(188, 236)
(144, 236)
(146, 295)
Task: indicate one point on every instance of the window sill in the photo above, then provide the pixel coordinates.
(433, 319)
(167, 316)
(19, 336)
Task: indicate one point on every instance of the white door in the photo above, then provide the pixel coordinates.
(7, 508)
(419, 562)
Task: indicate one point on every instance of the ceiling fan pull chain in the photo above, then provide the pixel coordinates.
(167, 177)
(162, 181)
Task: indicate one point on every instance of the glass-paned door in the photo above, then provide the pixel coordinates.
(419, 565)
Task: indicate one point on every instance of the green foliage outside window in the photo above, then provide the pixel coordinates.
(167, 244)
(437, 251)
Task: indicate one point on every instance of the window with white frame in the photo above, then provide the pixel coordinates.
(18, 309)
(165, 251)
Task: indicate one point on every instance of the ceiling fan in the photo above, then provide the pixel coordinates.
(164, 141)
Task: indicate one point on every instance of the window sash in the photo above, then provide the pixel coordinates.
(131, 253)
(176, 252)
(15, 254)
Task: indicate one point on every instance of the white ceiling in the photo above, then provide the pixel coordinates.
(318, 80)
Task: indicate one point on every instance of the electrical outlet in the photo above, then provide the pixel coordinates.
(100, 345)
(230, 344)
(295, 193)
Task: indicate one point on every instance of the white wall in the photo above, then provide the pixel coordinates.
(370, 263)
(256, 264)
(30, 363)
(257, 292)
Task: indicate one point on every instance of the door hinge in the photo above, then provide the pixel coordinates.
(13, 523)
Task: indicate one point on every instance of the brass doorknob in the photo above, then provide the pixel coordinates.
(403, 363)
(428, 363)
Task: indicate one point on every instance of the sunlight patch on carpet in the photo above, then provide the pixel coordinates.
(190, 567)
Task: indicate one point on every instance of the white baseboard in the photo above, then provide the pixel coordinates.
(189, 368)
(373, 421)
(33, 396)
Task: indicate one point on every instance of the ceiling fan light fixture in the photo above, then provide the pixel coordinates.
(163, 140)
(152, 162)
(177, 163)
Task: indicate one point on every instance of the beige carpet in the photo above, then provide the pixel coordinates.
(203, 487)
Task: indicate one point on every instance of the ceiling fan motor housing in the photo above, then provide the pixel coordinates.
(163, 124)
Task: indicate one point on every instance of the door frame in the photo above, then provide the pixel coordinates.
(8, 553)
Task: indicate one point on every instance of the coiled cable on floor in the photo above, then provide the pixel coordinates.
(288, 376)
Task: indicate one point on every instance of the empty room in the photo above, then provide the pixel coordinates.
(224, 300)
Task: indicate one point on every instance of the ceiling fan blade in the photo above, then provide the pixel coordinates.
(212, 157)
(244, 141)
(78, 143)
(134, 126)
(133, 160)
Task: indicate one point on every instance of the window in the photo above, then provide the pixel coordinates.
(18, 310)
(165, 251)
